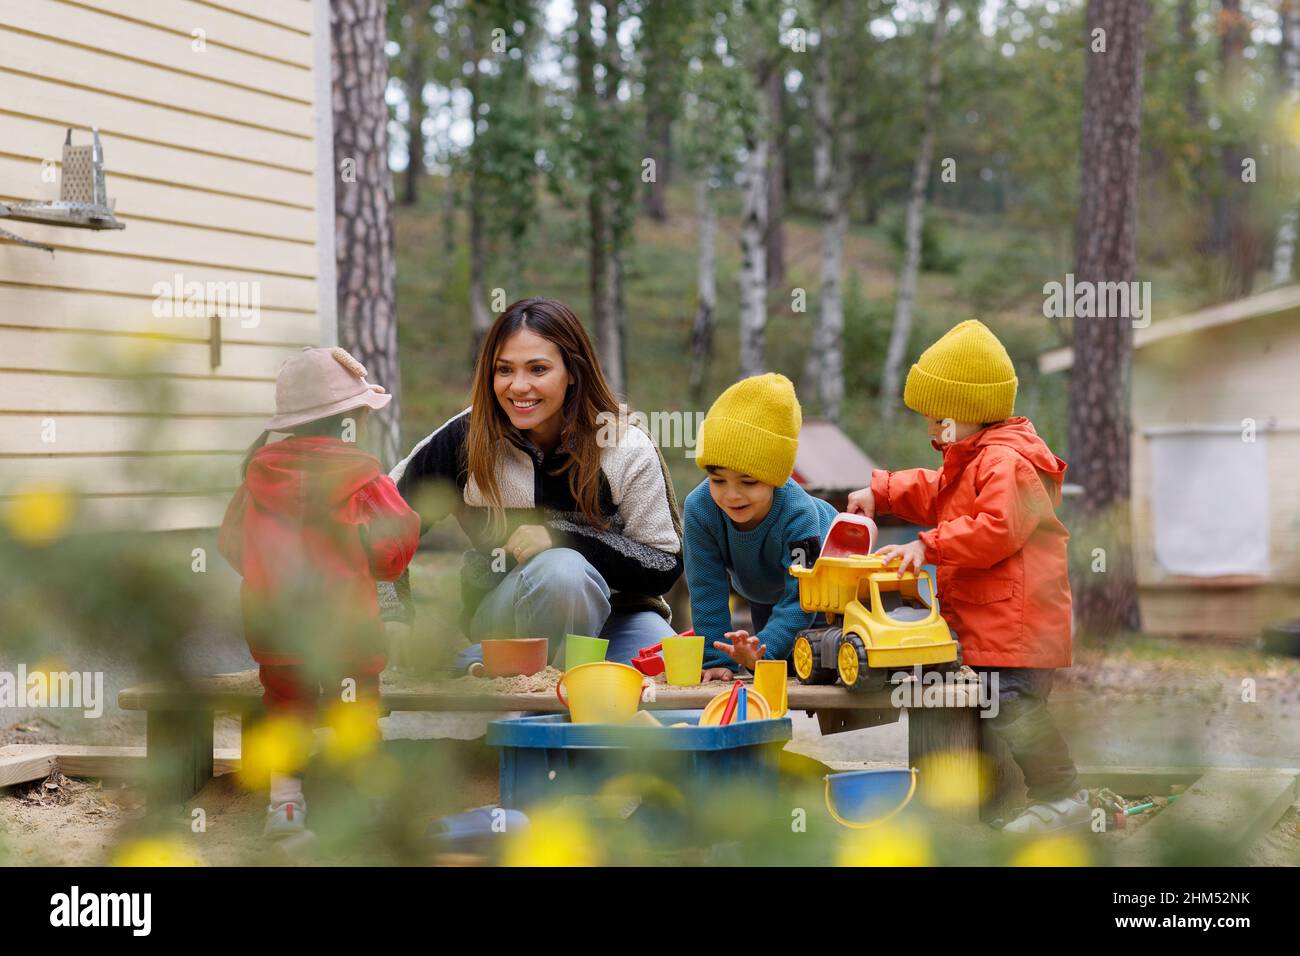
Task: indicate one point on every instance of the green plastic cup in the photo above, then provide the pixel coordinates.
(579, 649)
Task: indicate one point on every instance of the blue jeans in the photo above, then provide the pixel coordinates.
(557, 593)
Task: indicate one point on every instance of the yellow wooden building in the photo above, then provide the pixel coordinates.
(1216, 466)
(136, 365)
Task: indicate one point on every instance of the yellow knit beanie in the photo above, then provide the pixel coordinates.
(753, 428)
(967, 376)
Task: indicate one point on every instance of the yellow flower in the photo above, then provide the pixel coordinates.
(1054, 850)
(354, 730)
(279, 744)
(555, 837)
(950, 780)
(892, 844)
(39, 514)
(156, 851)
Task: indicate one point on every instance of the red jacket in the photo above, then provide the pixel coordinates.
(997, 544)
(312, 527)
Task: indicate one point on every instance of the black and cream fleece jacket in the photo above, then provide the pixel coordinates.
(638, 553)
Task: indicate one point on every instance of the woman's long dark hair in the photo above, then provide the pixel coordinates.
(587, 397)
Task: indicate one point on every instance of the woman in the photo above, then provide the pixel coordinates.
(574, 524)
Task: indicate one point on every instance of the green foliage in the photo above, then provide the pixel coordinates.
(934, 256)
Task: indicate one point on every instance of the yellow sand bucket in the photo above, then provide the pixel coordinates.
(770, 681)
(683, 660)
(757, 708)
(601, 692)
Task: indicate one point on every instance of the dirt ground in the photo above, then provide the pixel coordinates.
(1143, 706)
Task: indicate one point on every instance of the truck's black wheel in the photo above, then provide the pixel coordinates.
(806, 658)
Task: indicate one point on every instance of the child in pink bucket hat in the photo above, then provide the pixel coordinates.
(312, 527)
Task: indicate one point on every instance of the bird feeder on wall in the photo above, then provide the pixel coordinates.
(83, 201)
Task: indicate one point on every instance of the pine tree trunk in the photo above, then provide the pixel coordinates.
(1284, 247)
(701, 347)
(363, 207)
(824, 368)
(414, 83)
(1106, 251)
(1232, 237)
(614, 359)
(753, 257)
(901, 333)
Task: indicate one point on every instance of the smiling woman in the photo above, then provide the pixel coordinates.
(572, 532)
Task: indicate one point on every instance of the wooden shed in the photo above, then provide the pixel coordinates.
(138, 364)
(1216, 466)
(828, 464)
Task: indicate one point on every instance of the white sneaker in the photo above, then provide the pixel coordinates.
(285, 820)
(1068, 813)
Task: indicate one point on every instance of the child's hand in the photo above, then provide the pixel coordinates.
(744, 650)
(717, 673)
(862, 503)
(527, 541)
(911, 554)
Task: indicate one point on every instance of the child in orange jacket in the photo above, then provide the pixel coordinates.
(315, 523)
(999, 551)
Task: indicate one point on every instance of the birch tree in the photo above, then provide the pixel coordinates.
(824, 367)
(901, 333)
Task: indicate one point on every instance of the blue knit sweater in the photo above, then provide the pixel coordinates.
(756, 563)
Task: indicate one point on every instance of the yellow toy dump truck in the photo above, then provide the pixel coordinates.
(876, 621)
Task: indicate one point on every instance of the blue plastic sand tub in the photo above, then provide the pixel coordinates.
(546, 757)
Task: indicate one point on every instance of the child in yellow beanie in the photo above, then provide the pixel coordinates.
(999, 551)
(747, 523)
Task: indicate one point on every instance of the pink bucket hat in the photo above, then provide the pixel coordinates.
(318, 383)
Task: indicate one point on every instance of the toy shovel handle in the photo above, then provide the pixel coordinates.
(559, 694)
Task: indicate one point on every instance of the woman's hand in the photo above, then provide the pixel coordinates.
(743, 649)
(862, 503)
(527, 541)
(911, 554)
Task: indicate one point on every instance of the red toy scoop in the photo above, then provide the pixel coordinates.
(849, 535)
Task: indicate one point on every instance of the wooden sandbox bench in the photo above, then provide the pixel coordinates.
(179, 727)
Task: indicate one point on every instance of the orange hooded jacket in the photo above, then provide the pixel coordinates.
(997, 544)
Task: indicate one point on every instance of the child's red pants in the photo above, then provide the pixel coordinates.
(291, 690)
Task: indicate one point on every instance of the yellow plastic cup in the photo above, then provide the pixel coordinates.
(579, 650)
(770, 680)
(601, 692)
(684, 660)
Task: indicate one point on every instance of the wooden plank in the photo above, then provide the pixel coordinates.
(1138, 781)
(155, 474)
(219, 26)
(85, 109)
(117, 763)
(53, 394)
(137, 200)
(122, 315)
(1225, 807)
(165, 48)
(107, 435)
(21, 763)
(184, 245)
(241, 692)
(294, 14)
(40, 350)
(184, 165)
(85, 68)
(124, 275)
